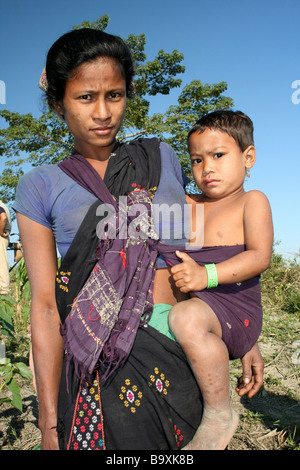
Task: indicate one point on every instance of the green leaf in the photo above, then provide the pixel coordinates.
(4, 361)
(6, 314)
(23, 369)
(16, 396)
(5, 400)
(6, 320)
(25, 313)
(9, 374)
(6, 332)
(8, 299)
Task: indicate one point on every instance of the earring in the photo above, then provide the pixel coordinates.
(248, 173)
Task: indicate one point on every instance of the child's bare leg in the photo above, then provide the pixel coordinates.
(198, 331)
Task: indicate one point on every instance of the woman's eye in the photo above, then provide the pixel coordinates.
(85, 97)
(114, 96)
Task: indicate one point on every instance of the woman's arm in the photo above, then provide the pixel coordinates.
(41, 262)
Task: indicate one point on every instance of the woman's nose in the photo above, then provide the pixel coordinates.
(101, 110)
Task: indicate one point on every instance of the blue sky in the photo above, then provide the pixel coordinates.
(253, 46)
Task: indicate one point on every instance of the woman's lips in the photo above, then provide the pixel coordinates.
(101, 130)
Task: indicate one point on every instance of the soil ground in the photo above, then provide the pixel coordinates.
(268, 421)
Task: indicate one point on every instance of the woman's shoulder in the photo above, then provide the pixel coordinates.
(41, 172)
(41, 177)
(36, 186)
(170, 163)
(166, 150)
(168, 156)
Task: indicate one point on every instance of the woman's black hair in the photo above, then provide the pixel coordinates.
(79, 46)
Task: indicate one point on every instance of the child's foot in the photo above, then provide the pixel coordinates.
(214, 432)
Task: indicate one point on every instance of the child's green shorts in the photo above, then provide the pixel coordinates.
(160, 320)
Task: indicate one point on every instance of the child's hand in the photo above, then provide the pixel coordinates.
(188, 275)
(253, 371)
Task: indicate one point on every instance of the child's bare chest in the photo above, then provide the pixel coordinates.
(222, 222)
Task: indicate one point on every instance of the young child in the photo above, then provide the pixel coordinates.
(218, 323)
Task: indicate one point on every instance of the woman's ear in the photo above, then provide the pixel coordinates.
(58, 106)
(250, 156)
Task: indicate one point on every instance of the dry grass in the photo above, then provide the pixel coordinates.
(268, 421)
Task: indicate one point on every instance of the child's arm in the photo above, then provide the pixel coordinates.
(258, 234)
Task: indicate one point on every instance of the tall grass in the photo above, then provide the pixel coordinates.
(281, 284)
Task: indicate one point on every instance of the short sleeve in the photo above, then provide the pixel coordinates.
(32, 196)
(171, 220)
(180, 175)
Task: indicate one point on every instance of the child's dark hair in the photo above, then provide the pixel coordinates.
(79, 46)
(237, 124)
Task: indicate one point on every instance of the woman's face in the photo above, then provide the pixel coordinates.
(94, 105)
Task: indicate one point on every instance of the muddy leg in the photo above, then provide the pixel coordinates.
(198, 331)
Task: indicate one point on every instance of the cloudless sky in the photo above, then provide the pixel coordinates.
(254, 46)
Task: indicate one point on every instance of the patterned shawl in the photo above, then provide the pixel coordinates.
(117, 296)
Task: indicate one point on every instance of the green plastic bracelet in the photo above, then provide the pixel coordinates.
(212, 275)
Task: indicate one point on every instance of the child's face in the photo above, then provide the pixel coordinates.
(218, 164)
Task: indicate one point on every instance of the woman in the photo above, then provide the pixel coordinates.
(152, 402)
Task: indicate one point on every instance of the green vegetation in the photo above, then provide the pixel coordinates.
(268, 421)
(25, 139)
(14, 319)
(271, 419)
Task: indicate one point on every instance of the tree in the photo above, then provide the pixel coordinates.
(46, 139)
(194, 101)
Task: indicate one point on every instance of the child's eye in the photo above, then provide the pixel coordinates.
(218, 155)
(196, 160)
